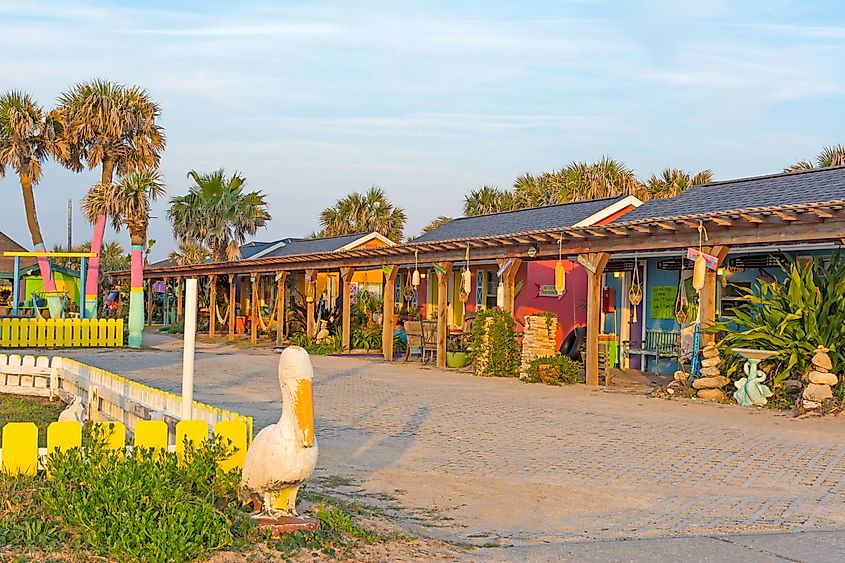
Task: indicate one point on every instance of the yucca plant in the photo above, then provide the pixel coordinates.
(792, 317)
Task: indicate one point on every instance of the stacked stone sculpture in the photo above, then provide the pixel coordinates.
(711, 383)
(820, 380)
(538, 339)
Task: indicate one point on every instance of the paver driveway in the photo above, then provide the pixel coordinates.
(490, 460)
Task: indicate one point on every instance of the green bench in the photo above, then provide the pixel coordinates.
(659, 344)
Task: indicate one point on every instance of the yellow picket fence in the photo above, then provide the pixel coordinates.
(41, 333)
(20, 453)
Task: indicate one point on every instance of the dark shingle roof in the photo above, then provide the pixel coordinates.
(791, 188)
(314, 245)
(254, 247)
(549, 218)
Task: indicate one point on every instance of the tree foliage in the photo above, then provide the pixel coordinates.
(364, 213)
(833, 155)
(218, 212)
(189, 253)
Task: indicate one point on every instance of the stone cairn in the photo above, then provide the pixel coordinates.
(538, 339)
(820, 379)
(710, 384)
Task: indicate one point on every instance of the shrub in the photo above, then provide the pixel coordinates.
(495, 349)
(791, 318)
(365, 339)
(553, 370)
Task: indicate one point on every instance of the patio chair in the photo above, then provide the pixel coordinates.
(413, 331)
(429, 348)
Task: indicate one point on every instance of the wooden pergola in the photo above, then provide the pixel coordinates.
(592, 246)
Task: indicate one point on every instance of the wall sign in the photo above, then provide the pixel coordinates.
(663, 301)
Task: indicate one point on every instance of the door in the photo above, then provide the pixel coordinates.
(634, 319)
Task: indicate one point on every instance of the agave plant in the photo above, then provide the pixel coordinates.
(791, 317)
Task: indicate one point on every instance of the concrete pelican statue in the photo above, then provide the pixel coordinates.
(283, 455)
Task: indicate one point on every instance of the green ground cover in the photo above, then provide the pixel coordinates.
(42, 412)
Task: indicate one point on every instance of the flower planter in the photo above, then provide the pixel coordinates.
(456, 359)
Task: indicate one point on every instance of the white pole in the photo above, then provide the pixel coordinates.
(188, 352)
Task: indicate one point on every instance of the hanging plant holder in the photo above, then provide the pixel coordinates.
(635, 291)
(681, 302)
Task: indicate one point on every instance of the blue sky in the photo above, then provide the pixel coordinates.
(312, 100)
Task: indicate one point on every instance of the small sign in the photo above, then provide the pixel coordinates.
(307, 277)
(439, 268)
(501, 271)
(547, 290)
(386, 270)
(663, 299)
(712, 261)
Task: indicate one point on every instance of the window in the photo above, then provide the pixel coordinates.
(491, 284)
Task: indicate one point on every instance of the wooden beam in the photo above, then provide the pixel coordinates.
(820, 214)
(708, 294)
(598, 261)
(595, 233)
(785, 216)
(387, 318)
(574, 234)
(666, 226)
(751, 218)
(231, 306)
(509, 280)
(179, 308)
(254, 280)
(281, 302)
(641, 229)
(346, 275)
(212, 304)
(721, 222)
(442, 311)
(310, 289)
(616, 231)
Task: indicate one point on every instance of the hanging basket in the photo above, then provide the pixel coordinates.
(635, 294)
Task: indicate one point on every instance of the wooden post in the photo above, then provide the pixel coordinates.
(387, 318)
(346, 306)
(231, 306)
(281, 277)
(310, 289)
(254, 280)
(150, 301)
(442, 312)
(212, 305)
(594, 263)
(708, 294)
(165, 304)
(179, 308)
(509, 279)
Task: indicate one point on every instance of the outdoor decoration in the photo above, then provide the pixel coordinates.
(500, 294)
(635, 291)
(323, 334)
(710, 385)
(699, 273)
(415, 277)
(538, 339)
(466, 278)
(750, 390)
(681, 302)
(283, 455)
(560, 272)
(74, 412)
(820, 380)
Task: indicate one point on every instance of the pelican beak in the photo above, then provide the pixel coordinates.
(304, 410)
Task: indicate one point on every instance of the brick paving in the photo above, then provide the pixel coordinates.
(489, 460)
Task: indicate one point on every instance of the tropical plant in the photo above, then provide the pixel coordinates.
(495, 348)
(113, 127)
(113, 257)
(66, 262)
(28, 135)
(487, 199)
(366, 212)
(436, 224)
(189, 253)
(553, 370)
(833, 155)
(219, 213)
(791, 318)
(673, 181)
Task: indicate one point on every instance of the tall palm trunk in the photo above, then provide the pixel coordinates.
(136, 293)
(53, 301)
(92, 279)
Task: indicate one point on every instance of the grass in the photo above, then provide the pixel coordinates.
(41, 411)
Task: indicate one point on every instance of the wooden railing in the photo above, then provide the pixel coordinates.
(106, 396)
(64, 333)
(20, 453)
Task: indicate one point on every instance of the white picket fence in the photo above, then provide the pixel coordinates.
(106, 396)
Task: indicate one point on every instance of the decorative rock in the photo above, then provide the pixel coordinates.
(711, 362)
(75, 412)
(710, 372)
(681, 376)
(710, 382)
(792, 387)
(810, 405)
(817, 393)
(821, 359)
(538, 338)
(711, 394)
(709, 352)
(822, 378)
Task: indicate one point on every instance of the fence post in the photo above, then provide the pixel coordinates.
(188, 349)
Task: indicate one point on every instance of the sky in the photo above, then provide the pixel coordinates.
(428, 100)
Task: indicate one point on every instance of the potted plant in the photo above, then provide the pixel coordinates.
(456, 351)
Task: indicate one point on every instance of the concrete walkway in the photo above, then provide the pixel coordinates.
(550, 472)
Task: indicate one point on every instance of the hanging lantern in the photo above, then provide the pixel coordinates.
(699, 273)
(500, 295)
(560, 272)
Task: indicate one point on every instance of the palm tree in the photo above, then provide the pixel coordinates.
(113, 257)
(218, 213)
(28, 135)
(487, 199)
(830, 156)
(673, 181)
(138, 189)
(606, 178)
(436, 224)
(113, 127)
(189, 253)
(367, 212)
